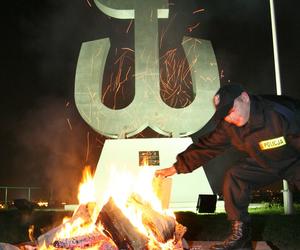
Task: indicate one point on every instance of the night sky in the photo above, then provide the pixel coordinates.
(44, 140)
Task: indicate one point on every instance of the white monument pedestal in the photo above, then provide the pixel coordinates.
(130, 154)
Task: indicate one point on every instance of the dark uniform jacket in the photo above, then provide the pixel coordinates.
(271, 138)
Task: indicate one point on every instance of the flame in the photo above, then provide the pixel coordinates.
(76, 228)
(86, 195)
(31, 233)
(79, 226)
(124, 184)
(44, 247)
(125, 187)
(87, 187)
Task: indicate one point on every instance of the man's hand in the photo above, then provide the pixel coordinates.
(165, 172)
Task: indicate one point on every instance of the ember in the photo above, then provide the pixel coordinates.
(85, 241)
(130, 222)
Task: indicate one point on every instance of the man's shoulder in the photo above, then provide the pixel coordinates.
(284, 105)
(289, 102)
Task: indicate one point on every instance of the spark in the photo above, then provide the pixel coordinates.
(129, 26)
(175, 83)
(88, 146)
(164, 31)
(142, 135)
(190, 29)
(119, 76)
(118, 81)
(99, 141)
(199, 10)
(222, 74)
(69, 123)
(106, 91)
(88, 2)
(128, 49)
(126, 78)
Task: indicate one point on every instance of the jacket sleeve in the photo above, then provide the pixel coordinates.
(294, 140)
(198, 154)
(293, 136)
(293, 132)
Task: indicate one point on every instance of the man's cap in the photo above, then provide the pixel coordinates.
(224, 99)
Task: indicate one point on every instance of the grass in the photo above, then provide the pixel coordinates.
(14, 224)
(272, 208)
(268, 224)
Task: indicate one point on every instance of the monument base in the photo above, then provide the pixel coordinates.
(132, 154)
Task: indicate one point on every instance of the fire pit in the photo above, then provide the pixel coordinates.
(131, 218)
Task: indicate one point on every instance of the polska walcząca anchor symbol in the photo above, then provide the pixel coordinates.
(147, 108)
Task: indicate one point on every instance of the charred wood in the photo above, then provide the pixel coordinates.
(84, 211)
(85, 241)
(120, 229)
(162, 226)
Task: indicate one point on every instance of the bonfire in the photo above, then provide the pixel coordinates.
(132, 217)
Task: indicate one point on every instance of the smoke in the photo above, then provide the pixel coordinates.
(53, 143)
(45, 141)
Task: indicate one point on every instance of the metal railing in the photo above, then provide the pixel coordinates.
(6, 188)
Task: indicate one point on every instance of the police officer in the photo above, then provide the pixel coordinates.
(267, 131)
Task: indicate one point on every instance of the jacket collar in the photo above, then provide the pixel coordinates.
(256, 119)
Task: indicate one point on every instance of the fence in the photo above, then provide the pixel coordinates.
(6, 188)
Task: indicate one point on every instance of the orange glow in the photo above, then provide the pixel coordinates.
(87, 187)
(139, 186)
(130, 192)
(43, 203)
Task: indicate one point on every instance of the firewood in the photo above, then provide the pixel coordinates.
(180, 230)
(46, 239)
(162, 226)
(84, 211)
(87, 212)
(85, 241)
(119, 228)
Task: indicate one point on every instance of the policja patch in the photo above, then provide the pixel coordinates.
(272, 143)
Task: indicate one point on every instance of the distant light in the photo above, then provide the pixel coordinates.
(43, 203)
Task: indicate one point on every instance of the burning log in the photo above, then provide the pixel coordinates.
(84, 241)
(180, 230)
(120, 229)
(162, 226)
(84, 212)
(83, 229)
(125, 235)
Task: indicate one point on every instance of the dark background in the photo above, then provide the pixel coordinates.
(45, 142)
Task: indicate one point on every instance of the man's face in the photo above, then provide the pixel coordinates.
(240, 112)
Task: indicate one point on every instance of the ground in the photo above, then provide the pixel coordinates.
(269, 224)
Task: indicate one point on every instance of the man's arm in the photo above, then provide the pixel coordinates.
(197, 154)
(207, 148)
(165, 172)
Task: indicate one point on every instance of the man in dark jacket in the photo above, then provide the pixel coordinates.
(267, 131)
